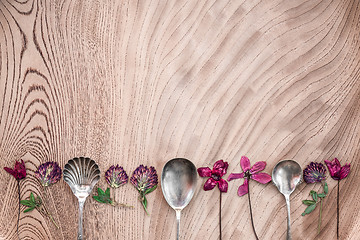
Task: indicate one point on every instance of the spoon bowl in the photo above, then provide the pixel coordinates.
(178, 183)
(286, 175)
(81, 174)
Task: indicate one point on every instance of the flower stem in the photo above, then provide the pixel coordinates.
(220, 216)
(18, 220)
(338, 206)
(52, 219)
(251, 216)
(319, 224)
(46, 210)
(116, 204)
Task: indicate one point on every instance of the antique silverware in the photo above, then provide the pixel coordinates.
(178, 183)
(286, 175)
(81, 174)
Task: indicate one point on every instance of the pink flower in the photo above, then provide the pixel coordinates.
(337, 172)
(19, 171)
(215, 176)
(250, 172)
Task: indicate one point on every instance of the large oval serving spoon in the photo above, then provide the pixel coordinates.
(286, 175)
(178, 183)
(81, 174)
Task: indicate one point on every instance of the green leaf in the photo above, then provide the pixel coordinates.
(150, 190)
(326, 189)
(308, 202)
(29, 209)
(107, 192)
(32, 198)
(100, 192)
(27, 203)
(314, 196)
(309, 209)
(322, 195)
(145, 202)
(97, 198)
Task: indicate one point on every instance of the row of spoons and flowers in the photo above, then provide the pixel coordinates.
(145, 180)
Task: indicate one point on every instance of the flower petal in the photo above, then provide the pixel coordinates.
(261, 177)
(220, 168)
(223, 185)
(11, 171)
(245, 163)
(345, 170)
(244, 188)
(21, 169)
(257, 167)
(209, 184)
(204, 172)
(235, 176)
(334, 168)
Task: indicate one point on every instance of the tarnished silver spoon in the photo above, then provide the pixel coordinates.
(178, 183)
(81, 174)
(286, 175)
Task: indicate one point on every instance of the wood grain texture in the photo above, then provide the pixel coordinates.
(142, 82)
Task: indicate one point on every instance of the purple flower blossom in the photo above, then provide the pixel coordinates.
(19, 171)
(48, 173)
(250, 172)
(215, 176)
(337, 171)
(116, 176)
(145, 180)
(314, 172)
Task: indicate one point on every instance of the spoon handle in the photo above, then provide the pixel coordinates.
(80, 229)
(288, 235)
(178, 213)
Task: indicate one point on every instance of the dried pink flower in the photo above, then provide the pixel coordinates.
(19, 171)
(250, 172)
(337, 171)
(215, 176)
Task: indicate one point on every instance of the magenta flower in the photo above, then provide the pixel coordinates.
(314, 172)
(19, 171)
(215, 176)
(48, 173)
(337, 171)
(253, 173)
(116, 176)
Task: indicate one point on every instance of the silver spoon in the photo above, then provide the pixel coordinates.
(286, 175)
(81, 174)
(178, 183)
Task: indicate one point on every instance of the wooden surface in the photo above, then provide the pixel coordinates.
(142, 82)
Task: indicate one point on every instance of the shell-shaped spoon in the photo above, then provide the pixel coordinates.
(81, 174)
